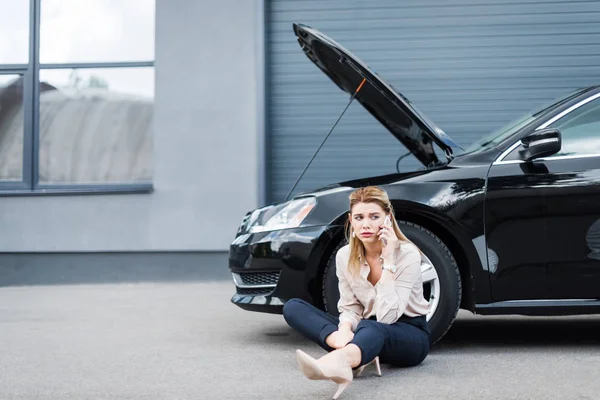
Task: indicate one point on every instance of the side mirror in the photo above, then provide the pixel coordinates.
(542, 143)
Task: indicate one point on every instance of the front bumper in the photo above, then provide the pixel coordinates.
(254, 289)
(269, 268)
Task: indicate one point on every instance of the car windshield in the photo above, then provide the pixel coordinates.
(499, 135)
(510, 129)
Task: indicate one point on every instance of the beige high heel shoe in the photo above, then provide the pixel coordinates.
(361, 369)
(312, 369)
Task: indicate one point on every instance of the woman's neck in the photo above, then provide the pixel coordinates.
(373, 250)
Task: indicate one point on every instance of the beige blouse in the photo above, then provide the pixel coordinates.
(388, 301)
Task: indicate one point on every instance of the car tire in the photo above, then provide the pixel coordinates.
(444, 264)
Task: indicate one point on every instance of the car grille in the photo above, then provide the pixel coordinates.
(254, 291)
(255, 283)
(259, 278)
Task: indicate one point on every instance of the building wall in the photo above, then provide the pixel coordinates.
(471, 66)
(208, 125)
(206, 147)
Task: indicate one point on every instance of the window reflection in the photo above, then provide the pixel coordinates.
(96, 125)
(11, 127)
(14, 32)
(580, 130)
(96, 30)
(581, 145)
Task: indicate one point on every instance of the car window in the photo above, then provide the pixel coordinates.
(505, 132)
(580, 132)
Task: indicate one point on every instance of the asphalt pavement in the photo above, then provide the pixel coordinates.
(187, 341)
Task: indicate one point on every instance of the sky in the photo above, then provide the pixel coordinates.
(84, 31)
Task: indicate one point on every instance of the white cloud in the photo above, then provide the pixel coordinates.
(14, 32)
(79, 31)
(97, 31)
(84, 31)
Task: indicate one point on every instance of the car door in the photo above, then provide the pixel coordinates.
(562, 235)
(515, 231)
(573, 206)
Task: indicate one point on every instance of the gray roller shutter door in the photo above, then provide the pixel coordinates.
(471, 66)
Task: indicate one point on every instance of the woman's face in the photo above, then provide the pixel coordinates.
(366, 219)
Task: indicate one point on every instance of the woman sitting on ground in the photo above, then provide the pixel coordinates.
(382, 308)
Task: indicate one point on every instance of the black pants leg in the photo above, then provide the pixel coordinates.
(310, 322)
(404, 343)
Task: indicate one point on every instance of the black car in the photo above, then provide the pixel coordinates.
(511, 224)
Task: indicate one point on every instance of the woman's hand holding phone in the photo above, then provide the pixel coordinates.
(387, 222)
(388, 237)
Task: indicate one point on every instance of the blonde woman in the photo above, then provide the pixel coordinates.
(382, 308)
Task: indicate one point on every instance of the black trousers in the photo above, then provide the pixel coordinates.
(405, 343)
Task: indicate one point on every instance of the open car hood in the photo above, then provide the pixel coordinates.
(417, 132)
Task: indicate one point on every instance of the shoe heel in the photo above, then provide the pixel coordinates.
(341, 388)
(377, 367)
(359, 371)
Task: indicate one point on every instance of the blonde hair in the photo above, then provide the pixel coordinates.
(369, 194)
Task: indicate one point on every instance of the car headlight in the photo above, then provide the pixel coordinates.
(287, 215)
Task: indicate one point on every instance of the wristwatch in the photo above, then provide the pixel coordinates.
(390, 267)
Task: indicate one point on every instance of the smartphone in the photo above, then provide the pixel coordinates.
(387, 221)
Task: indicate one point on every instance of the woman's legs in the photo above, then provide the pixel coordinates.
(370, 339)
(316, 325)
(312, 323)
(407, 345)
(400, 344)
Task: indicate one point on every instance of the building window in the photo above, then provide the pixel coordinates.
(11, 127)
(76, 95)
(95, 125)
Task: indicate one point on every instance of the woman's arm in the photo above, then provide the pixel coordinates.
(394, 290)
(351, 310)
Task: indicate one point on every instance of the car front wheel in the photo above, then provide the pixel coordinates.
(441, 284)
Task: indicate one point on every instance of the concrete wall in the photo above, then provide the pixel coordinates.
(206, 144)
